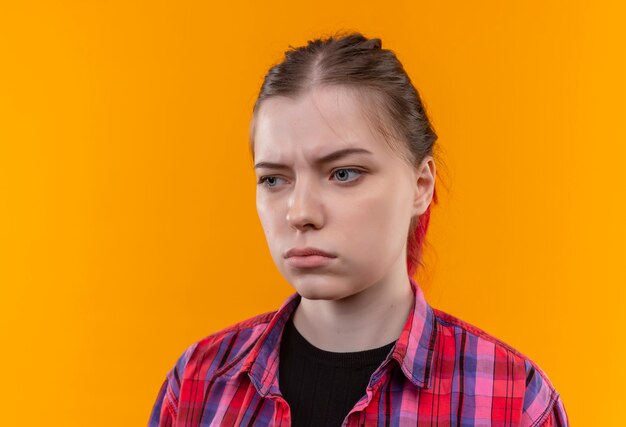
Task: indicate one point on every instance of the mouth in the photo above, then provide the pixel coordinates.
(308, 251)
(308, 257)
(309, 261)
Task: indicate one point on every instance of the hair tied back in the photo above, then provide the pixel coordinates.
(375, 43)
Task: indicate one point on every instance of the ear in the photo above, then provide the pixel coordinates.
(425, 175)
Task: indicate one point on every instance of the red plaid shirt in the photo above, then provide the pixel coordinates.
(442, 371)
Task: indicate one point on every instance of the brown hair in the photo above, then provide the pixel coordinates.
(392, 104)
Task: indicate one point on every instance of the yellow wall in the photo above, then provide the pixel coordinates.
(128, 227)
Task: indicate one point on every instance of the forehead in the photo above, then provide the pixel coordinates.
(314, 123)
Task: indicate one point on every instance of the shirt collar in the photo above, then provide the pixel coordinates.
(413, 350)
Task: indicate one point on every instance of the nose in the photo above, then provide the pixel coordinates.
(304, 209)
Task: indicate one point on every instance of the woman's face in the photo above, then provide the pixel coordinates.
(356, 205)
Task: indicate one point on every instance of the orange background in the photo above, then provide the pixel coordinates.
(128, 227)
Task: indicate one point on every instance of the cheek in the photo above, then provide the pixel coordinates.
(264, 214)
(379, 217)
(270, 219)
(265, 206)
(385, 202)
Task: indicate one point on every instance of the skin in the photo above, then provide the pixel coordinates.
(361, 300)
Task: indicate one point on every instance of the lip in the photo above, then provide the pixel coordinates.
(308, 251)
(309, 261)
(308, 257)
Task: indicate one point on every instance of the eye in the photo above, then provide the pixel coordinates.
(344, 174)
(268, 181)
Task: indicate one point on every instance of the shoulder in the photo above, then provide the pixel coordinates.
(223, 347)
(200, 360)
(502, 371)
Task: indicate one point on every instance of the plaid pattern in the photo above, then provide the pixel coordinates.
(441, 372)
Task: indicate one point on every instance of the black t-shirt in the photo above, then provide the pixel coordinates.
(320, 386)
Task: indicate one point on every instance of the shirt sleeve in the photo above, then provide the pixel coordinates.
(165, 408)
(558, 416)
(160, 417)
(543, 406)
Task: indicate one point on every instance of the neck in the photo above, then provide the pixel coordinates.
(368, 319)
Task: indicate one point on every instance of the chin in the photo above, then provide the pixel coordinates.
(319, 287)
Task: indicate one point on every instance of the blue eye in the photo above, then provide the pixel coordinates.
(268, 181)
(343, 175)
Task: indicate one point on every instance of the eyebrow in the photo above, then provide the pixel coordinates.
(335, 155)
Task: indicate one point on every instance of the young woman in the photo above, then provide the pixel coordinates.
(343, 152)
